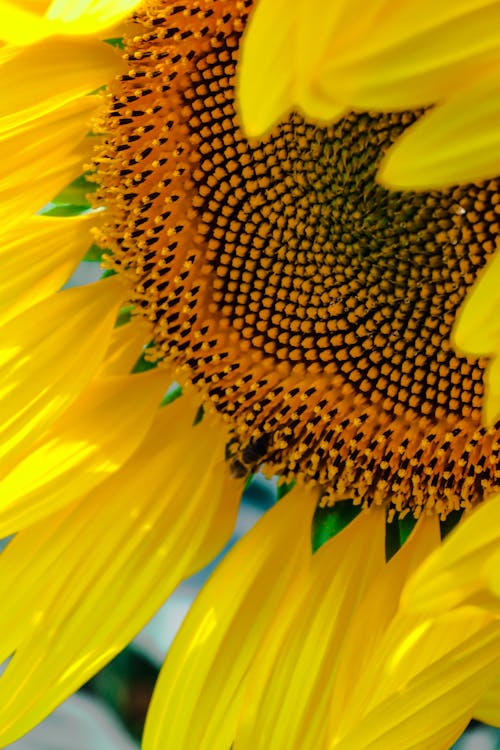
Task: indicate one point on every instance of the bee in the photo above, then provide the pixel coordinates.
(249, 459)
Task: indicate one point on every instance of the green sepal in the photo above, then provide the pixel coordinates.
(328, 521)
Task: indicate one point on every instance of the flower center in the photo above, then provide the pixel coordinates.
(312, 306)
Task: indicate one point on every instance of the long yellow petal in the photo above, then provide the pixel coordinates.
(36, 145)
(48, 354)
(290, 681)
(432, 678)
(383, 55)
(199, 692)
(477, 328)
(413, 54)
(284, 47)
(266, 69)
(22, 26)
(491, 401)
(362, 660)
(319, 644)
(91, 440)
(458, 142)
(37, 158)
(48, 75)
(125, 347)
(16, 205)
(368, 677)
(488, 708)
(464, 569)
(85, 580)
(37, 256)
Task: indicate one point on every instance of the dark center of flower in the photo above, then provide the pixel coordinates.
(312, 306)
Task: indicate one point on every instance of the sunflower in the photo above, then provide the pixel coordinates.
(306, 310)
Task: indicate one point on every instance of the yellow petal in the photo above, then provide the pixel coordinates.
(89, 442)
(125, 347)
(491, 402)
(38, 255)
(384, 55)
(198, 696)
(81, 583)
(488, 708)
(463, 569)
(37, 157)
(367, 676)
(285, 702)
(477, 328)
(318, 27)
(36, 145)
(412, 54)
(477, 332)
(433, 676)
(95, 14)
(458, 142)
(266, 69)
(48, 354)
(48, 75)
(284, 46)
(312, 668)
(362, 659)
(21, 25)
(18, 204)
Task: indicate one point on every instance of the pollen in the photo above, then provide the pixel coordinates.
(311, 306)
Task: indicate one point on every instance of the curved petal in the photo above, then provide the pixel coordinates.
(37, 80)
(464, 569)
(477, 328)
(289, 683)
(384, 55)
(368, 676)
(312, 668)
(35, 146)
(266, 68)
(282, 47)
(38, 255)
(85, 580)
(413, 54)
(199, 692)
(90, 441)
(488, 708)
(44, 366)
(458, 142)
(22, 26)
(491, 401)
(16, 205)
(40, 158)
(433, 675)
